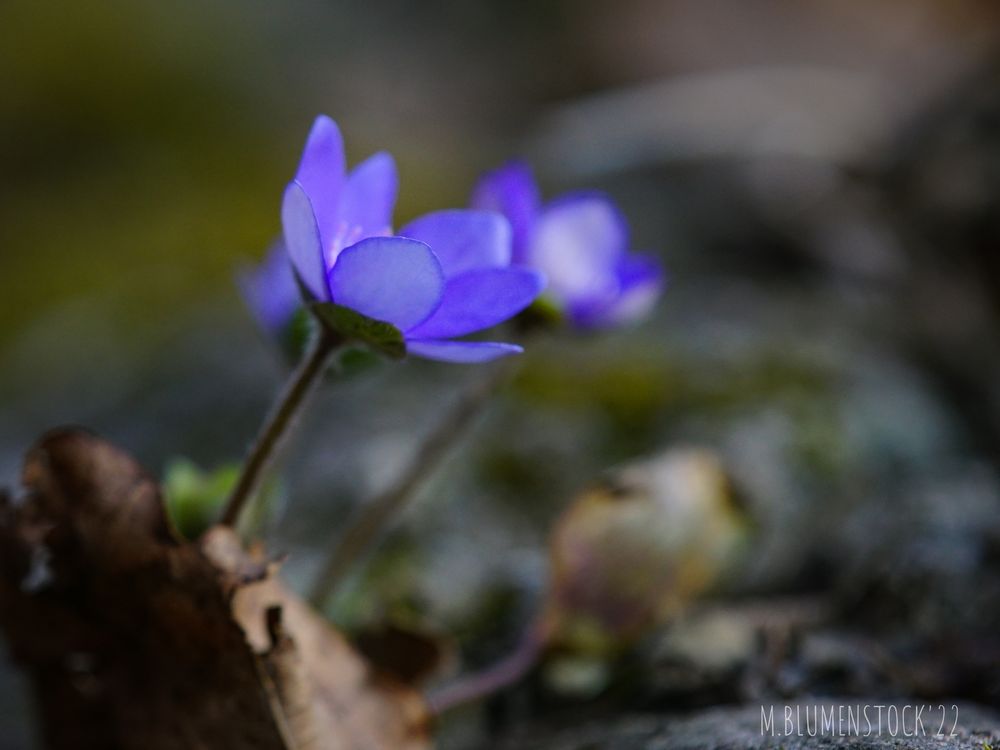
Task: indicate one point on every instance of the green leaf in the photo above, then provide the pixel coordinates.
(194, 497)
(353, 326)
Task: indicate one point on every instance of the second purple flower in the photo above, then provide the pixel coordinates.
(580, 241)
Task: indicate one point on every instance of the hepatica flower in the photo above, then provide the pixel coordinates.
(271, 292)
(444, 275)
(580, 242)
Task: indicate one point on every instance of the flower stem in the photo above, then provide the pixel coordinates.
(372, 518)
(502, 674)
(279, 423)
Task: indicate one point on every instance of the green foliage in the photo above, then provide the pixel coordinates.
(194, 497)
(354, 361)
(351, 360)
(352, 326)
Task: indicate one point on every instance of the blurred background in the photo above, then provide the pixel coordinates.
(821, 177)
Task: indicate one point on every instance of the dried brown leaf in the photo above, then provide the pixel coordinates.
(325, 687)
(132, 638)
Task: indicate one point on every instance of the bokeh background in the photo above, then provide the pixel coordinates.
(822, 178)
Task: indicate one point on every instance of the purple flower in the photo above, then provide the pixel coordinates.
(447, 274)
(580, 242)
(271, 292)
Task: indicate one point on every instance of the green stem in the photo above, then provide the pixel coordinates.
(374, 516)
(279, 423)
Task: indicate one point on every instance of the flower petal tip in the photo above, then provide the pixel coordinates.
(461, 352)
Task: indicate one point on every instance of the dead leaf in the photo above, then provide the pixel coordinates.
(132, 638)
(325, 683)
(409, 653)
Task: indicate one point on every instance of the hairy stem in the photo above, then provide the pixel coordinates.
(279, 423)
(502, 674)
(374, 516)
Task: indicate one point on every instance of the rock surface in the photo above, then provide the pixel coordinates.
(740, 728)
